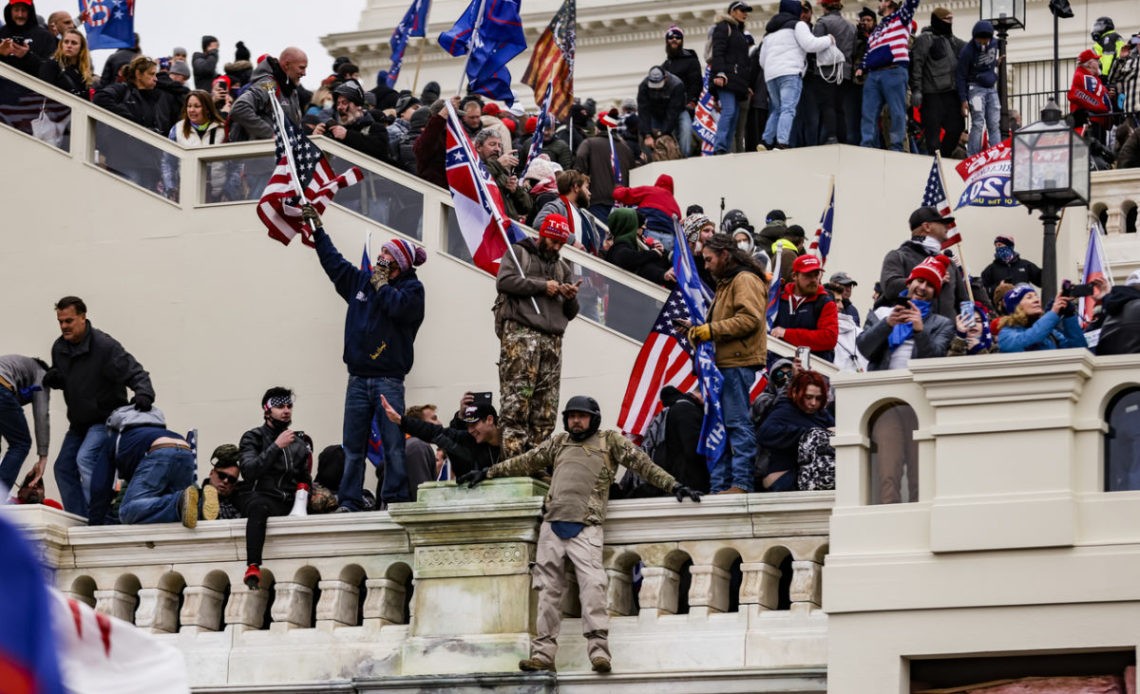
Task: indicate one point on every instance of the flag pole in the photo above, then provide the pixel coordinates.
(419, 62)
(465, 143)
(279, 116)
(958, 245)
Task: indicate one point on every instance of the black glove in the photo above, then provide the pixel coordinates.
(681, 491)
(142, 402)
(53, 379)
(471, 478)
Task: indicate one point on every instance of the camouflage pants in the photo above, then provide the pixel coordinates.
(530, 370)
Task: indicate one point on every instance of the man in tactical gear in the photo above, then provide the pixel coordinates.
(585, 461)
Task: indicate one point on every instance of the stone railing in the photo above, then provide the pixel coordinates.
(1116, 193)
(441, 588)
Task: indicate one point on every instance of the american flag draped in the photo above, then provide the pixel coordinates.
(414, 23)
(540, 125)
(301, 170)
(934, 195)
(704, 122)
(478, 201)
(821, 244)
(552, 62)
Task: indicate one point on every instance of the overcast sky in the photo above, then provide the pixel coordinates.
(266, 26)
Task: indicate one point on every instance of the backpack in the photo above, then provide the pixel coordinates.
(816, 458)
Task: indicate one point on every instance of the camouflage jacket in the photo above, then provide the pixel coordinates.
(619, 451)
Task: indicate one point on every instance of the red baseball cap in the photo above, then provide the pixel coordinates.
(807, 263)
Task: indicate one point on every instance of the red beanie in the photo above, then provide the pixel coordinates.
(555, 227)
(1086, 55)
(933, 269)
(531, 124)
(509, 123)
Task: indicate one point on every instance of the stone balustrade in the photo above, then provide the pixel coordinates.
(442, 587)
(1116, 194)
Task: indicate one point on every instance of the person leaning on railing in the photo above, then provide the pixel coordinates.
(137, 100)
(70, 66)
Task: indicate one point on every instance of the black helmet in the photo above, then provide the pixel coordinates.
(582, 403)
(733, 220)
(1102, 25)
(350, 90)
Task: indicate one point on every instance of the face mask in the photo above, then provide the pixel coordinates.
(743, 245)
(1004, 254)
(327, 104)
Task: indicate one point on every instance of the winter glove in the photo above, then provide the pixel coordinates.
(700, 333)
(310, 215)
(380, 273)
(471, 478)
(53, 379)
(681, 491)
(240, 51)
(916, 99)
(142, 402)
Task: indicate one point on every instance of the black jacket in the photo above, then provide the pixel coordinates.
(897, 265)
(1020, 270)
(96, 373)
(679, 455)
(154, 109)
(40, 42)
(687, 67)
(205, 66)
(660, 109)
(118, 60)
(644, 263)
(1121, 331)
(782, 429)
(68, 79)
(267, 469)
(367, 136)
(461, 448)
(730, 55)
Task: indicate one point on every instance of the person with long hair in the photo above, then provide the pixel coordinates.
(200, 126)
(137, 100)
(1028, 327)
(70, 66)
(803, 410)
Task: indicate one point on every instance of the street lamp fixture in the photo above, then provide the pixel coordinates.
(1004, 15)
(1050, 171)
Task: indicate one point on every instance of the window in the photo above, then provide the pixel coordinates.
(1122, 442)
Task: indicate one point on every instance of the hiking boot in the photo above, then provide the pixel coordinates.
(253, 577)
(210, 504)
(600, 664)
(189, 507)
(533, 664)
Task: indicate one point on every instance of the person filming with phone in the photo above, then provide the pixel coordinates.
(1028, 326)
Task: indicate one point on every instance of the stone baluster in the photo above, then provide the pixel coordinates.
(384, 603)
(80, 597)
(158, 611)
(760, 585)
(292, 606)
(116, 603)
(709, 592)
(806, 586)
(660, 590)
(246, 608)
(201, 609)
(619, 592)
(338, 604)
(1114, 224)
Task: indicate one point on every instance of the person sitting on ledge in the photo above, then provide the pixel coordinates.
(585, 461)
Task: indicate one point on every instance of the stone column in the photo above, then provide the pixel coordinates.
(158, 611)
(246, 608)
(709, 592)
(806, 589)
(660, 590)
(384, 603)
(473, 607)
(619, 593)
(338, 604)
(760, 585)
(292, 606)
(116, 603)
(201, 609)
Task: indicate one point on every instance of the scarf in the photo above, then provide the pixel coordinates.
(1006, 255)
(905, 331)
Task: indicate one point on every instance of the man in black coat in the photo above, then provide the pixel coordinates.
(1121, 331)
(24, 44)
(660, 103)
(93, 371)
(684, 63)
(1008, 266)
(730, 71)
(679, 455)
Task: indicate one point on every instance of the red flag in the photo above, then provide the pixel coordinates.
(552, 61)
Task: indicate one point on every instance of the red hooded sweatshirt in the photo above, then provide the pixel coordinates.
(658, 196)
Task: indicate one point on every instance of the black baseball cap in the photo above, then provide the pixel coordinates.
(927, 214)
(739, 6)
(477, 413)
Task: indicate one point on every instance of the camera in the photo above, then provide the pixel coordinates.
(1076, 291)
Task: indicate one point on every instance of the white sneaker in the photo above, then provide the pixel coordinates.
(301, 502)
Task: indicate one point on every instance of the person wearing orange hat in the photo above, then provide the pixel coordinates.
(537, 300)
(807, 316)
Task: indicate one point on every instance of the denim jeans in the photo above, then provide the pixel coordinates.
(726, 126)
(665, 239)
(14, 432)
(736, 467)
(685, 133)
(361, 404)
(985, 114)
(885, 86)
(74, 465)
(783, 98)
(155, 489)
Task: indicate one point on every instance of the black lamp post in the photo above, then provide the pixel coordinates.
(1050, 172)
(1004, 15)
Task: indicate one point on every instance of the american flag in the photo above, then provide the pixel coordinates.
(540, 125)
(821, 244)
(301, 167)
(477, 199)
(704, 122)
(552, 62)
(614, 163)
(934, 195)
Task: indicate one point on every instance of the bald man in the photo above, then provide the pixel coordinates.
(60, 22)
(252, 113)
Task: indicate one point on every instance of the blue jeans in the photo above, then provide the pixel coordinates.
(736, 467)
(13, 430)
(665, 239)
(155, 489)
(361, 404)
(985, 114)
(726, 126)
(783, 98)
(685, 133)
(885, 86)
(73, 467)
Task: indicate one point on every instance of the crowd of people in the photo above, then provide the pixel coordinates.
(809, 80)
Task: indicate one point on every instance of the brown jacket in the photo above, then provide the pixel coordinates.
(515, 291)
(737, 320)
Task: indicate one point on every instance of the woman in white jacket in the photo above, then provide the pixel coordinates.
(200, 126)
(783, 55)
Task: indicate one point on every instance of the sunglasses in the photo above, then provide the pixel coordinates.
(225, 477)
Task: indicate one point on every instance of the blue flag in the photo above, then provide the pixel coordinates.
(697, 300)
(414, 23)
(821, 244)
(540, 125)
(109, 23)
(28, 648)
(490, 33)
